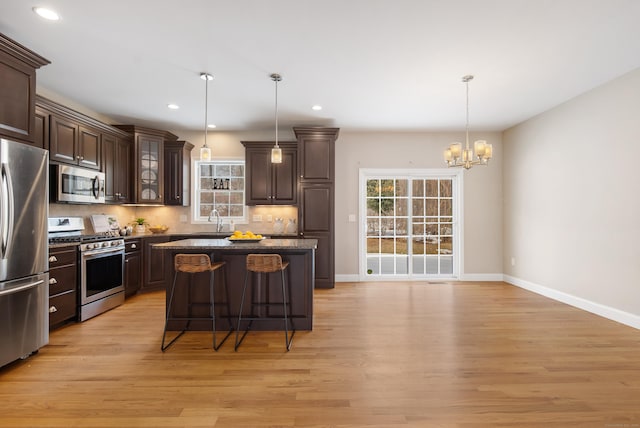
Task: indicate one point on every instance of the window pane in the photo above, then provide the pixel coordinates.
(445, 207)
(373, 188)
(373, 245)
(418, 207)
(401, 187)
(445, 188)
(387, 187)
(432, 188)
(373, 226)
(432, 207)
(401, 226)
(401, 206)
(418, 188)
(387, 207)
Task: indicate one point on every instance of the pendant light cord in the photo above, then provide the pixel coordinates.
(466, 80)
(206, 105)
(276, 80)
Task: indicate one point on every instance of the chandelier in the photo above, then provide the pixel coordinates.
(276, 151)
(205, 151)
(455, 156)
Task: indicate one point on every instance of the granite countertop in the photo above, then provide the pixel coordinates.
(208, 244)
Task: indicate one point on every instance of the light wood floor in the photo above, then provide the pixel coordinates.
(380, 355)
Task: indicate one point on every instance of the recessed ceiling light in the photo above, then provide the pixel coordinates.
(46, 13)
(316, 107)
(173, 106)
(211, 125)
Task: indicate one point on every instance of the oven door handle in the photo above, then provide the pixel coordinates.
(114, 250)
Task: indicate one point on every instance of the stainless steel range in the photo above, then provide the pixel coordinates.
(100, 265)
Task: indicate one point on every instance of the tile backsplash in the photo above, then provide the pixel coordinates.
(260, 219)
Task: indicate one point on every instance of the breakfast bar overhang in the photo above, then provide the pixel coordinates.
(300, 253)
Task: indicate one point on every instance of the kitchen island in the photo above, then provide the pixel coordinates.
(300, 253)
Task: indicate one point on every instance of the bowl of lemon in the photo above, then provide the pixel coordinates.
(158, 228)
(247, 236)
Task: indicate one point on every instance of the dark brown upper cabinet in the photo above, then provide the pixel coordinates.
(316, 151)
(18, 91)
(148, 163)
(72, 143)
(268, 183)
(177, 173)
(116, 165)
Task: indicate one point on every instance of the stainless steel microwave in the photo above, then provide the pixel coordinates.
(76, 185)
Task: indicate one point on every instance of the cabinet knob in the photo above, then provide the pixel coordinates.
(53, 309)
(126, 260)
(52, 259)
(134, 246)
(53, 281)
(177, 196)
(81, 157)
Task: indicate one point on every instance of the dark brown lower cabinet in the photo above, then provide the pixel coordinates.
(153, 277)
(132, 267)
(63, 279)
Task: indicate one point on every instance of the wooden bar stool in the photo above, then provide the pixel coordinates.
(192, 264)
(266, 264)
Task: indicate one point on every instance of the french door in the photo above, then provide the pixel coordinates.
(409, 224)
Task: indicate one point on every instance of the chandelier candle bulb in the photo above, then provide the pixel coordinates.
(488, 151)
(479, 147)
(456, 150)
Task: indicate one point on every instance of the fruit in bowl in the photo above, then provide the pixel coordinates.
(248, 235)
(158, 228)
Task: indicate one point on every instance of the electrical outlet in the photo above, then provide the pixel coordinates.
(352, 218)
(183, 218)
(257, 218)
(269, 218)
(513, 261)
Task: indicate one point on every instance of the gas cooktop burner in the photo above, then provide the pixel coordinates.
(76, 239)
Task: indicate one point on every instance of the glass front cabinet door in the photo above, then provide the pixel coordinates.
(149, 179)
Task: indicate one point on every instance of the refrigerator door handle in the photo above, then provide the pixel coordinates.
(6, 210)
(21, 288)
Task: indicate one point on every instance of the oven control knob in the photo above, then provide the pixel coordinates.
(105, 244)
(88, 246)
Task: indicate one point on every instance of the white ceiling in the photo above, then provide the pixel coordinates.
(372, 64)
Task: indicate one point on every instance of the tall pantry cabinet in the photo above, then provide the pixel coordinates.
(316, 196)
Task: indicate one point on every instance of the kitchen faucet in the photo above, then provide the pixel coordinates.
(218, 222)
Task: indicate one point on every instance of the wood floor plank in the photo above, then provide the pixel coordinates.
(401, 354)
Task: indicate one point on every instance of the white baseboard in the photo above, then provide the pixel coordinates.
(595, 308)
(467, 277)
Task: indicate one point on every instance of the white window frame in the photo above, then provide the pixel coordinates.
(195, 192)
(458, 224)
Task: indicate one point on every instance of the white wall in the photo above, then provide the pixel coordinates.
(571, 205)
(482, 193)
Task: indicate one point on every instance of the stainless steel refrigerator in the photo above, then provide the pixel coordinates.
(24, 250)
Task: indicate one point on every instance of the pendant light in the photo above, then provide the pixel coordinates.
(276, 151)
(205, 151)
(455, 156)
